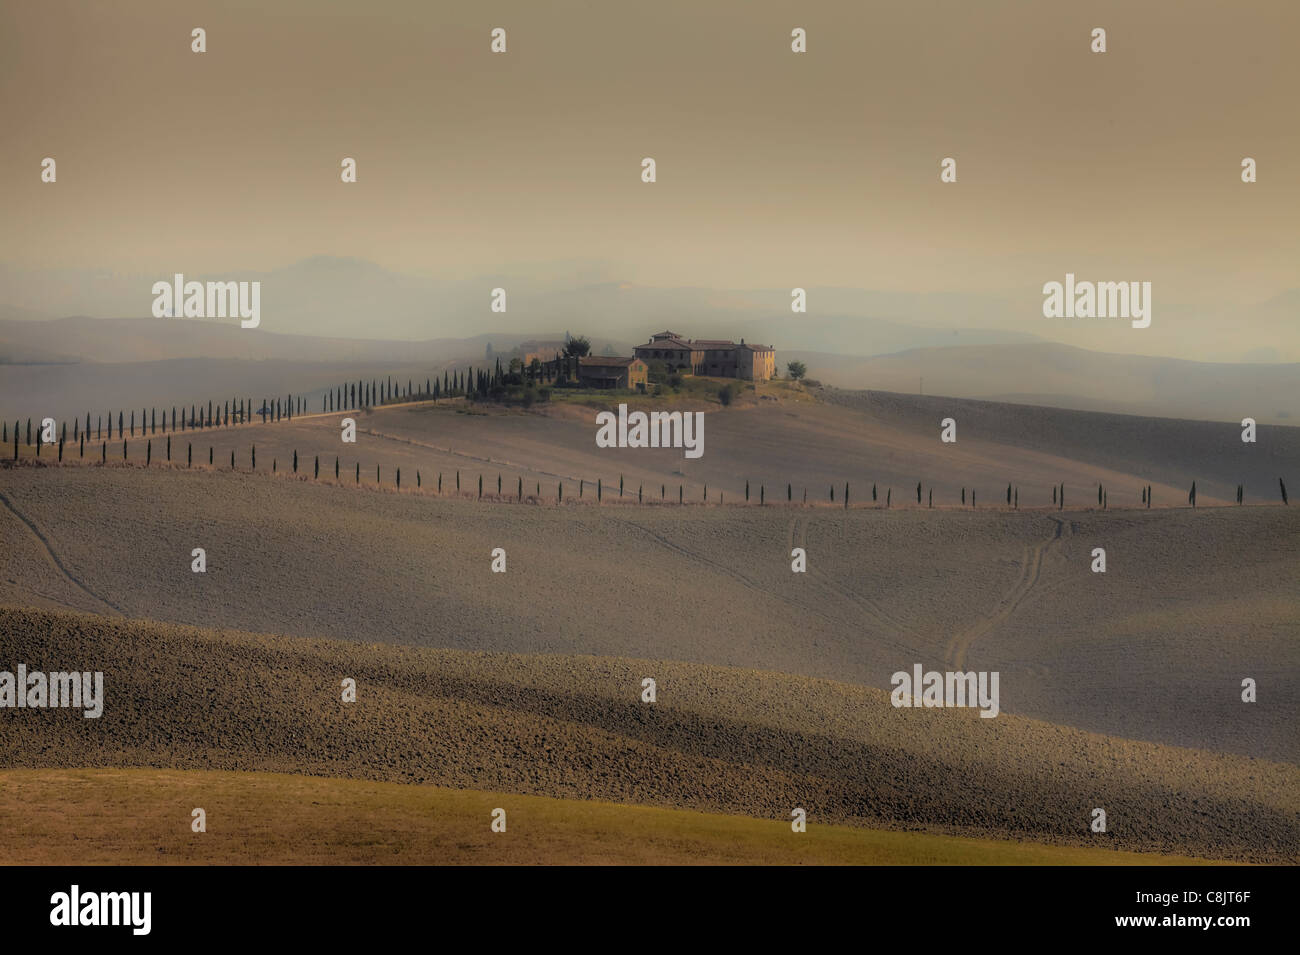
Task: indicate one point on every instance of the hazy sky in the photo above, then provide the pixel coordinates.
(774, 169)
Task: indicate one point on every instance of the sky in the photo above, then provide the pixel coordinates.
(774, 169)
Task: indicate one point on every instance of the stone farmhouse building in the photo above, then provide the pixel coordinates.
(606, 372)
(594, 371)
(713, 357)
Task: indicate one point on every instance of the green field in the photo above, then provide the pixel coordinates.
(137, 816)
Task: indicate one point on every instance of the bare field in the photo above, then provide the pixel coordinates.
(722, 740)
(1155, 649)
(859, 438)
(141, 817)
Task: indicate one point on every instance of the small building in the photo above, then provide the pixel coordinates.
(606, 372)
(539, 351)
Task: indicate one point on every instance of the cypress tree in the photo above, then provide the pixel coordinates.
(521, 487)
(1191, 495)
(498, 483)
(169, 448)
(599, 489)
(81, 452)
(1008, 493)
(480, 487)
(133, 422)
(99, 427)
(620, 477)
(439, 482)
(458, 481)
(29, 432)
(680, 492)
(762, 495)
(1053, 493)
(232, 459)
(358, 472)
(295, 460)
(746, 490)
(1281, 485)
(123, 450)
(932, 497)
(189, 455)
(889, 494)
(103, 453)
(789, 493)
(336, 467)
(316, 473)
(60, 450)
(846, 495)
(148, 453)
(209, 455)
(873, 494)
(76, 429)
(963, 495)
(399, 479)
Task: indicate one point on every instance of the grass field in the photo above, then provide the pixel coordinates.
(134, 816)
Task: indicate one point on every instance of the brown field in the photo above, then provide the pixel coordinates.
(721, 740)
(1155, 649)
(1119, 690)
(142, 817)
(774, 436)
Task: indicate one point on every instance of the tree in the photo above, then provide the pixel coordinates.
(579, 347)
(724, 395)
(796, 370)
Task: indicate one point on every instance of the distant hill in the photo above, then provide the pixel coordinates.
(1062, 376)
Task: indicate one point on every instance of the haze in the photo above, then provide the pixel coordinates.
(775, 170)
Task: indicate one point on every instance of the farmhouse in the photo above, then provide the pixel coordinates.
(604, 372)
(714, 357)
